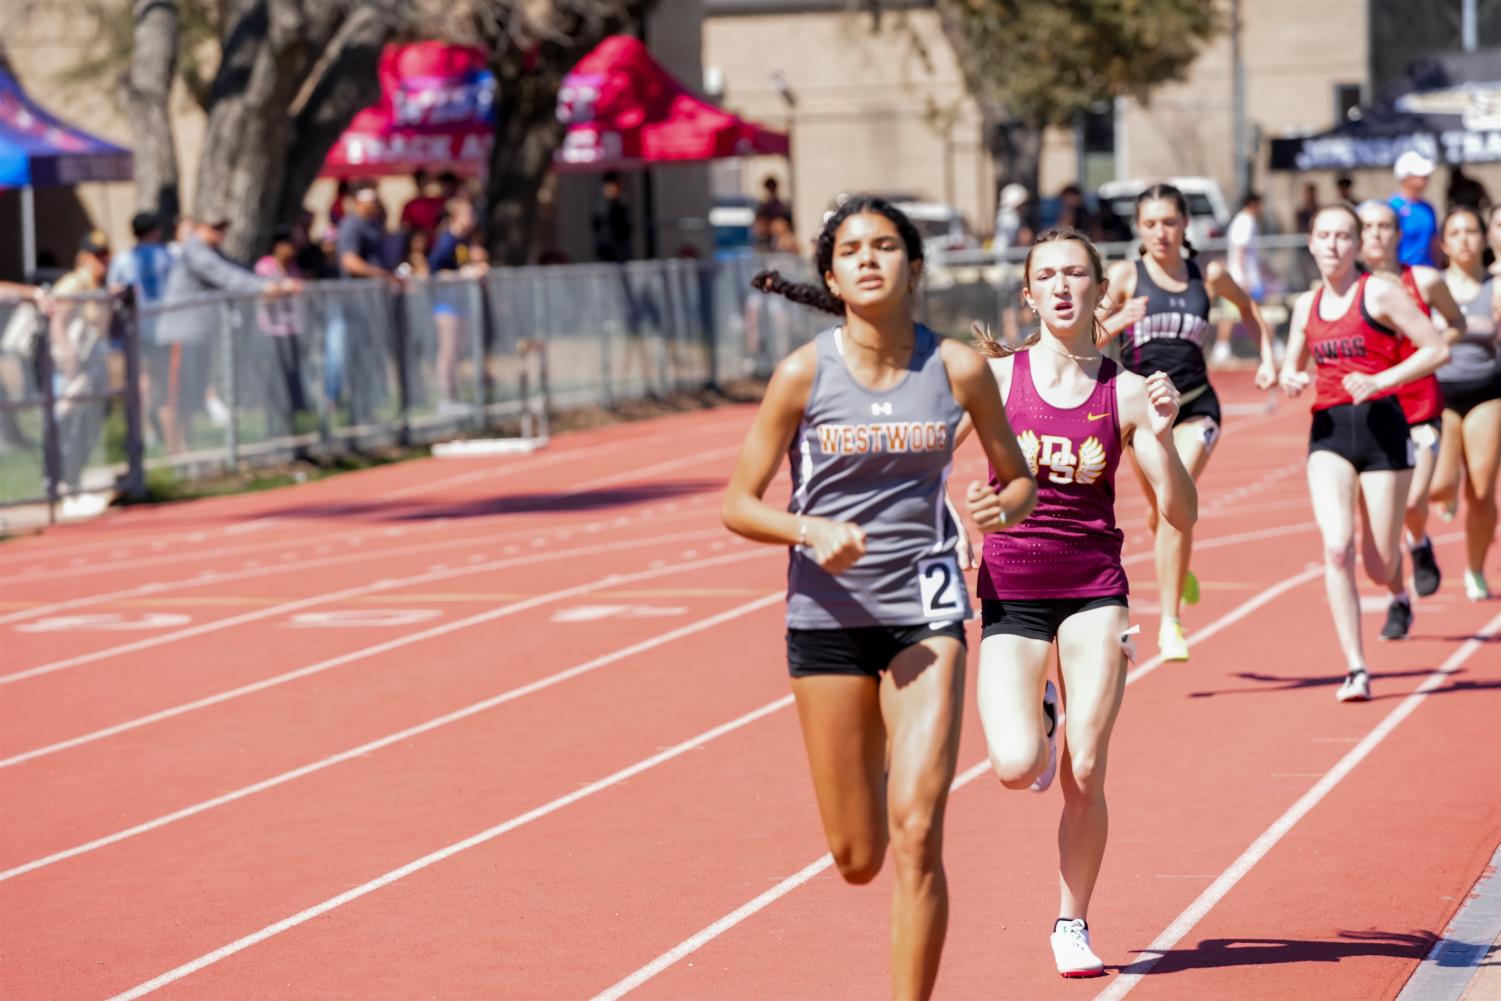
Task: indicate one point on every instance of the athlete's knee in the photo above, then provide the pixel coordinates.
(858, 859)
(1015, 766)
(915, 839)
(1087, 774)
(1340, 555)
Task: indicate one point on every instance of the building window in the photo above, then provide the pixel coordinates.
(1346, 100)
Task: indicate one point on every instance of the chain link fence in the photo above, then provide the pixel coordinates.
(97, 392)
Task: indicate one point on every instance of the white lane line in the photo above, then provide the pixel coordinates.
(660, 467)
(301, 917)
(730, 920)
(706, 455)
(613, 580)
(398, 737)
(706, 935)
(536, 461)
(350, 592)
(1195, 912)
(212, 577)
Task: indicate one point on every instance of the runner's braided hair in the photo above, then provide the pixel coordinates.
(818, 295)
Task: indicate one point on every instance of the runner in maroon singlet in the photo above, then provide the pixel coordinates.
(1057, 578)
(1359, 441)
(1422, 405)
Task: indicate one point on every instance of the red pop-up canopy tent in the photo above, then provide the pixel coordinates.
(435, 110)
(624, 110)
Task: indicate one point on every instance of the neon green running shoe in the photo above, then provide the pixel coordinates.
(1190, 589)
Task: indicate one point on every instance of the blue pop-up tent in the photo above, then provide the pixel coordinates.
(38, 150)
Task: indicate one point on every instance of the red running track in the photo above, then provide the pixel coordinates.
(520, 728)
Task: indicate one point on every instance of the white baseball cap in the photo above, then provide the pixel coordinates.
(1412, 164)
(1013, 196)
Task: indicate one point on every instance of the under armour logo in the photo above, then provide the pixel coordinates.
(881, 409)
(1178, 303)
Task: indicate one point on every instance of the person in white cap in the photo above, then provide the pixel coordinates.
(1418, 219)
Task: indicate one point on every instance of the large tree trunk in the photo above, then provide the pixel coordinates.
(245, 147)
(527, 132)
(528, 74)
(346, 82)
(148, 91)
(1015, 151)
(294, 74)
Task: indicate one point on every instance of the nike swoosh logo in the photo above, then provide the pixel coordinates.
(1097, 417)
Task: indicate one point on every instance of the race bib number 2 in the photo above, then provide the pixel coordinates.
(942, 587)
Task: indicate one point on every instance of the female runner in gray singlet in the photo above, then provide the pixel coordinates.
(1471, 384)
(866, 415)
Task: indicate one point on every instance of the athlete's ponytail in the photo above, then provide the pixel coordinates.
(1166, 192)
(803, 293)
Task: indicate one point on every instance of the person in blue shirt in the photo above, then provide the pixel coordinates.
(1418, 219)
(144, 269)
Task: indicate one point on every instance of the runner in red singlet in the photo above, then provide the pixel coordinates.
(1359, 443)
(1422, 405)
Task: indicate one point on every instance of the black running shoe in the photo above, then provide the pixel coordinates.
(1398, 621)
(1425, 575)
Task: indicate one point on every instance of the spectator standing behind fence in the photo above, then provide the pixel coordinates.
(144, 269)
(195, 332)
(1419, 220)
(1244, 264)
(1308, 207)
(277, 361)
(359, 249)
(453, 254)
(612, 221)
(424, 210)
(79, 338)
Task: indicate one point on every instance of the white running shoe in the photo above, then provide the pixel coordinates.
(1072, 952)
(1170, 641)
(1356, 687)
(1476, 589)
(1050, 710)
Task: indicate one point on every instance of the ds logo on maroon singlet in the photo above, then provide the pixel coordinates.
(1055, 454)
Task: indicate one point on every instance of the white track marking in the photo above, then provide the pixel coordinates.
(301, 917)
(1195, 912)
(349, 592)
(400, 736)
(159, 587)
(259, 548)
(697, 941)
(612, 580)
(724, 924)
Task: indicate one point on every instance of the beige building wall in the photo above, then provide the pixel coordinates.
(869, 113)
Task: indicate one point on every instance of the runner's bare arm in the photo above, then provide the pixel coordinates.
(1221, 283)
(1148, 408)
(1125, 306)
(836, 545)
(976, 391)
(1390, 304)
(1435, 290)
(1293, 378)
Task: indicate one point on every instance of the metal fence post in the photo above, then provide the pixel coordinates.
(134, 484)
(52, 461)
(229, 371)
(395, 306)
(479, 350)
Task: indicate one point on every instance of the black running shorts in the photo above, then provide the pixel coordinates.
(1462, 397)
(1040, 618)
(865, 650)
(1370, 436)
